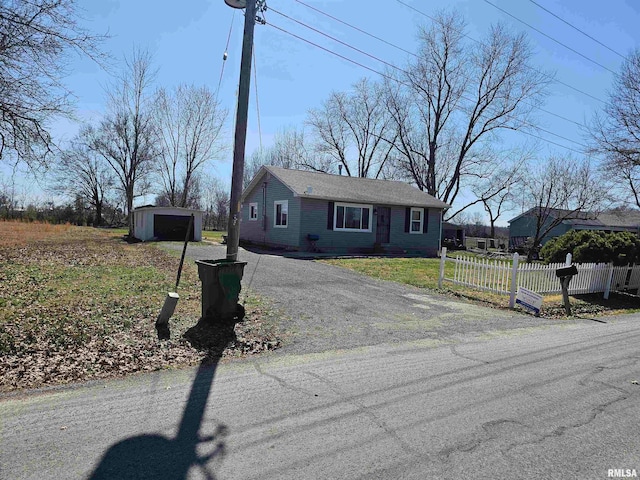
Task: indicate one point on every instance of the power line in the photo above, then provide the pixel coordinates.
(577, 29)
(331, 51)
(225, 54)
(337, 40)
(405, 84)
(393, 45)
(255, 86)
(551, 38)
(357, 29)
(560, 82)
(384, 41)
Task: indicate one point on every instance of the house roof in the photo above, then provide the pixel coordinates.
(173, 209)
(325, 186)
(603, 220)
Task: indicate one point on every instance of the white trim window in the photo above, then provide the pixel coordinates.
(253, 211)
(351, 217)
(417, 220)
(281, 213)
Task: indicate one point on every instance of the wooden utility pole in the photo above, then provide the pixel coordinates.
(233, 237)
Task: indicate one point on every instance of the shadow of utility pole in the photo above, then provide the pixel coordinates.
(155, 456)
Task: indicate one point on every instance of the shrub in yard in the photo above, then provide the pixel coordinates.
(590, 246)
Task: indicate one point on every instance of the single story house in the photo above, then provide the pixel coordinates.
(304, 210)
(524, 225)
(166, 223)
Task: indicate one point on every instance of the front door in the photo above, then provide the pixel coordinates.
(383, 224)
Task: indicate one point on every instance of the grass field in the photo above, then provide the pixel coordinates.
(78, 303)
(213, 236)
(423, 273)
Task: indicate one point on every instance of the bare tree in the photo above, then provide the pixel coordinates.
(560, 189)
(215, 200)
(190, 122)
(36, 40)
(81, 172)
(290, 149)
(355, 124)
(454, 98)
(615, 132)
(127, 136)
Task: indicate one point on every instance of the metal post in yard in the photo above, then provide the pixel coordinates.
(443, 258)
(514, 281)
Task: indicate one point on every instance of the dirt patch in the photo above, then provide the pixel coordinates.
(79, 303)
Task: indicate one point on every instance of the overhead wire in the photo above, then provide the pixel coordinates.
(255, 87)
(356, 28)
(551, 38)
(405, 84)
(383, 61)
(577, 29)
(225, 54)
(397, 47)
(335, 39)
(550, 77)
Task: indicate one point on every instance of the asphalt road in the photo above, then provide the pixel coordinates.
(379, 380)
(554, 403)
(327, 307)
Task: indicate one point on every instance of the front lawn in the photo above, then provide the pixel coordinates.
(423, 273)
(78, 303)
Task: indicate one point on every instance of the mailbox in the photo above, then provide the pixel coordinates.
(566, 271)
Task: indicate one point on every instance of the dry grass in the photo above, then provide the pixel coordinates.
(79, 303)
(14, 232)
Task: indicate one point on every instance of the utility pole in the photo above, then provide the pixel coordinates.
(233, 237)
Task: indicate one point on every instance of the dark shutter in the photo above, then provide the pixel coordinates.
(407, 219)
(425, 221)
(330, 216)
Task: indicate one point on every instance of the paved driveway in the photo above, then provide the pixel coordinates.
(330, 307)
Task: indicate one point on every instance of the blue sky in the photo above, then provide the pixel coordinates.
(188, 42)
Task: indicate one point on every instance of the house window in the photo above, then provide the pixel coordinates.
(253, 211)
(281, 213)
(352, 218)
(417, 220)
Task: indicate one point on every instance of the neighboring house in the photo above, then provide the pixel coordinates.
(166, 223)
(524, 225)
(305, 210)
(453, 236)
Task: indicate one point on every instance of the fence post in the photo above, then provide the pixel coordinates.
(443, 256)
(514, 281)
(567, 260)
(607, 288)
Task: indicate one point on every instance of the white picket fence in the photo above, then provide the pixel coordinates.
(505, 276)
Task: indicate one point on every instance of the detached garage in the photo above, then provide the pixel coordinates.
(166, 223)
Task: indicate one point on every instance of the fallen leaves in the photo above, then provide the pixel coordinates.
(80, 304)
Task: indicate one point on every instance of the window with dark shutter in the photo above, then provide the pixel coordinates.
(407, 219)
(330, 216)
(425, 222)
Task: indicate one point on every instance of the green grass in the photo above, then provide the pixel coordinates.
(424, 272)
(419, 272)
(213, 236)
(82, 304)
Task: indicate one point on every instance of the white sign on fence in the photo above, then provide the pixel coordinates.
(529, 299)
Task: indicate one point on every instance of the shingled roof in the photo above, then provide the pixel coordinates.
(325, 186)
(601, 220)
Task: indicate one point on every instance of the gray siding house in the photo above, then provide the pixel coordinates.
(308, 211)
(524, 225)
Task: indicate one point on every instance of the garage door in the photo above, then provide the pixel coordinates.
(171, 227)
